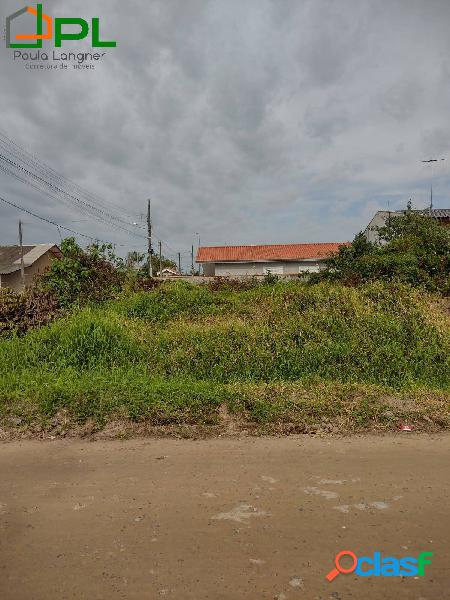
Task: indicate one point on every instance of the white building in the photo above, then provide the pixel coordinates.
(278, 259)
(379, 220)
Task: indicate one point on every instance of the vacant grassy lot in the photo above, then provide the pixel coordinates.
(287, 357)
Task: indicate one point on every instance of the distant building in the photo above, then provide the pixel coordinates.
(168, 272)
(278, 259)
(37, 259)
(380, 218)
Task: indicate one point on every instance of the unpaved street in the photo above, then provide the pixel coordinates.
(221, 519)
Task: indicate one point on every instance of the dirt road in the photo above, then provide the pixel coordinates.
(221, 519)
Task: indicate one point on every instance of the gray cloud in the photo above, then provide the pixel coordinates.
(259, 121)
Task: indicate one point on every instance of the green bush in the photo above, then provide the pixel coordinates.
(177, 300)
(413, 249)
(82, 341)
(80, 276)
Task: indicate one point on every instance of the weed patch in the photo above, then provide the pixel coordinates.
(288, 355)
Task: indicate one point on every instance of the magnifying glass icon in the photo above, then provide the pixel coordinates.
(339, 568)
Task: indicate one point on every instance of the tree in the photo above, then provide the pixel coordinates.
(134, 259)
(93, 274)
(413, 248)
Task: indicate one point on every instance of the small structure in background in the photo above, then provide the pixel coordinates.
(37, 259)
(442, 215)
(289, 260)
(168, 272)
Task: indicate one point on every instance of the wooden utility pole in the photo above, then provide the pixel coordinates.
(198, 248)
(179, 263)
(192, 260)
(149, 239)
(22, 264)
(160, 259)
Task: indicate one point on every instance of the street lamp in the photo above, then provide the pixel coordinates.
(431, 161)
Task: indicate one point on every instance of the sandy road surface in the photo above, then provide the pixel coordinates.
(221, 519)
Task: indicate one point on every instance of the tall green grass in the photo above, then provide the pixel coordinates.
(176, 353)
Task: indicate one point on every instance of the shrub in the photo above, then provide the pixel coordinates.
(20, 312)
(94, 274)
(86, 339)
(414, 249)
(170, 301)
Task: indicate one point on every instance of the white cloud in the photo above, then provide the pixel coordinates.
(261, 121)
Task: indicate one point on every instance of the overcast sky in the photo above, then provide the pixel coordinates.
(247, 121)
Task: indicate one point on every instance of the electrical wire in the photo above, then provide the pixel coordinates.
(33, 162)
(45, 179)
(57, 225)
(85, 207)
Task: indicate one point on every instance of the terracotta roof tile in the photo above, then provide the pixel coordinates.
(267, 252)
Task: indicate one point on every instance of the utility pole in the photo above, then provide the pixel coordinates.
(179, 263)
(22, 265)
(160, 259)
(198, 248)
(149, 239)
(192, 260)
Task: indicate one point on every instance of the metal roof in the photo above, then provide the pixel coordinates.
(10, 256)
(440, 213)
(5, 270)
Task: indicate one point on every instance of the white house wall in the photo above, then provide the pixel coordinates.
(260, 268)
(379, 220)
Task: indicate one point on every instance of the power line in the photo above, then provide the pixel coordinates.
(32, 161)
(50, 222)
(84, 206)
(55, 197)
(46, 180)
(54, 184)
(48, 194)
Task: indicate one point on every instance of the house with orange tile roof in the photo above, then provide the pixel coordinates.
(278, 259)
